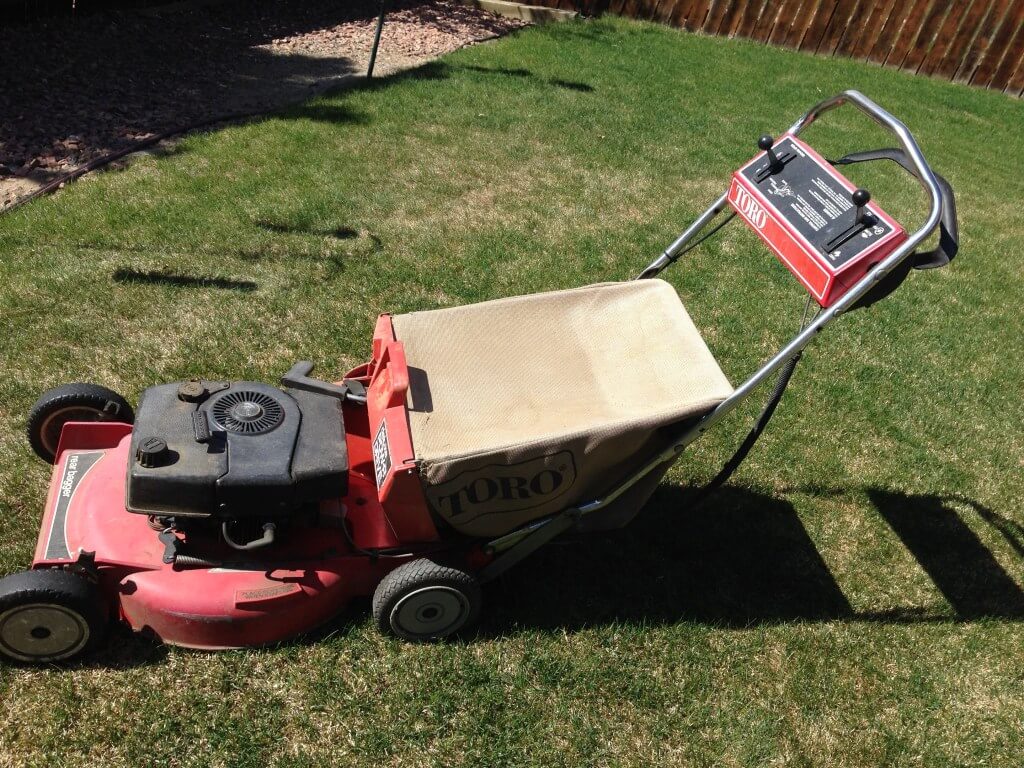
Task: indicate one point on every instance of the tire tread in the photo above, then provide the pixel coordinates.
(78, 393)
(61, 588)
(420, 573)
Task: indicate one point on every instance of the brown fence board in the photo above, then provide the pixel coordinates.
(925, 35)
(893, 30)
(698, 13)
(975, 49)
(1016, 85)
(875, 16)
(766, 21)
(667, 10)
(889, 31)
(982, 47)
(804, 19)
(682, 12)
(855, 29)
(980, 42)
(732, 18)
(751, 16)
(1013, 55)
(715, 14)
(960, 45)
(800, 18)
(787, 10)
(945, 37)
(816, 24)
(837, 26)
(913, 15)
(783, 12)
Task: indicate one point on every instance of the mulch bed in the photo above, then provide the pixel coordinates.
(73, 89)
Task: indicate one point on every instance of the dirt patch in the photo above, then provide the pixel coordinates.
(74, 89)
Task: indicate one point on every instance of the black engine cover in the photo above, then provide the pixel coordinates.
(235, 450)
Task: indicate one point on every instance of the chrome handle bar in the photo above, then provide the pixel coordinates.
(848, 300)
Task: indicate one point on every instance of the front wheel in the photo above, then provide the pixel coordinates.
(49, 616)
(423, 601)
(71, 402)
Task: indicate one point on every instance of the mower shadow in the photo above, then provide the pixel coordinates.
(176, 280)
(741, 559)
(952, 555)
(570, 85)
(122, 649)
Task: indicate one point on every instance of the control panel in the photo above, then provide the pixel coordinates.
(825, 230)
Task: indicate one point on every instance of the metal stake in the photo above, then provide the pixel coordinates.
(376, 40)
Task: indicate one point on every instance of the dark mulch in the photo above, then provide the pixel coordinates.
(74, 88)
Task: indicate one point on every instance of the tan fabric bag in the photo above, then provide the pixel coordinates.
(524, 406)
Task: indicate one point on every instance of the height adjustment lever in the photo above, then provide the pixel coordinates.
(861, 197)
(863, 219)
(776, 161)
(765, 144)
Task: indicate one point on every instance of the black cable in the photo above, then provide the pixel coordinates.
(384, 552)
(727, 470)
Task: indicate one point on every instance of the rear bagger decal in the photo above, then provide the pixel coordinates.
(76, 467)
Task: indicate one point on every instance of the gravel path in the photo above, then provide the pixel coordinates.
(117, 78)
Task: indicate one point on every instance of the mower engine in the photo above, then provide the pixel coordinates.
(240, 455)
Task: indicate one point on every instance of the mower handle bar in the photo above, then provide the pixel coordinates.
(922, 172)
(924, 175)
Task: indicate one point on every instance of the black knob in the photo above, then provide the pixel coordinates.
(765, 144)
(151, 452)
(861, 197)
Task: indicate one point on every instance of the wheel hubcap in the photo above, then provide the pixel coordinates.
(51, 428)
(40, 631)
(430, 612)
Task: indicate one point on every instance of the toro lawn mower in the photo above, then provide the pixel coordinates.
(232, 513)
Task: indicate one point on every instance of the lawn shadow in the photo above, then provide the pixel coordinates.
(952, 555)
(340, 233)
(125, 275)
(741, 559)
(334, 261)
(186, 69)
(121, 650)
(571, 85)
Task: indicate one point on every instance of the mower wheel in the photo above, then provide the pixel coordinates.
(49, 615)
(423, 601)
(72, 402)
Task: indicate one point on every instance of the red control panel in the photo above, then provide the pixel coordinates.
(813, 219)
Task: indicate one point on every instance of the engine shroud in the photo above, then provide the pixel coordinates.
(234, 450)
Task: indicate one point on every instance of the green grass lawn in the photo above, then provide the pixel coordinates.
(852, 598)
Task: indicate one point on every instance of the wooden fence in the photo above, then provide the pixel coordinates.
(980, 42)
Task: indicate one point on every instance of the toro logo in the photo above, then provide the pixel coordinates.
(750, 209)
(505, 487)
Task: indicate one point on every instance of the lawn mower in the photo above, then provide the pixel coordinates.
(221, 514)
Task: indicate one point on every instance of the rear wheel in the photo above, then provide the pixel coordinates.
(48, 616)
(423, 601)
(71, 402)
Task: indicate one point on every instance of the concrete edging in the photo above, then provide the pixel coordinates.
(531, 13)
